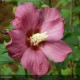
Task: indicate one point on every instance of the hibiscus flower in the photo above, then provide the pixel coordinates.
(36, 37)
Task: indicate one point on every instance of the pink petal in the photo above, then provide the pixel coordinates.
(52, 24)
(16, 46)
(16, 50)
(54, 29)
(35, 62)
(27, 17)
(17, 35)
(17, 23)
(56, 33)
(56, 51)
(23, 9)
(50, 14)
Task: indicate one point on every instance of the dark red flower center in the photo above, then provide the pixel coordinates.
(34, 39)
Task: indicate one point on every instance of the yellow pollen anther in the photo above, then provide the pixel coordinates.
(37, 38)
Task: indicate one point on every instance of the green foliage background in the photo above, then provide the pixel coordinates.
(70, 10)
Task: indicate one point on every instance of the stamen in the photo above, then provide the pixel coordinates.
(37, 38)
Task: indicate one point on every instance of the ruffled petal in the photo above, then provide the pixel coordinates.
(26, 17)
(35, 62)
(54, 29)
(16, 46)
(17, 35)
(17, 23)
(49, 14)
(23, 9)
(56, 51)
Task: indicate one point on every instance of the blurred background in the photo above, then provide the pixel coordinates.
(70, 10)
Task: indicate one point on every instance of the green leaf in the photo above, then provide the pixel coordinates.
(6, 70)
(2, 48)
(65, 13)
(4, 59)
(71, 40)
(44, 5)
(10, 26)
(76, 54)
(62, 2)
(46, 2)
(54, 72)
(76, 22)
(14, 9)
(78, 68)
(66, 71)
(76, 9)
(12, 1)
(21, 71)
(36, 2)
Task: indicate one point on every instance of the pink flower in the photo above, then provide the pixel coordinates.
(37, 37)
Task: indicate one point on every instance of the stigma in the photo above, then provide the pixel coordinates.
(35, 39)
